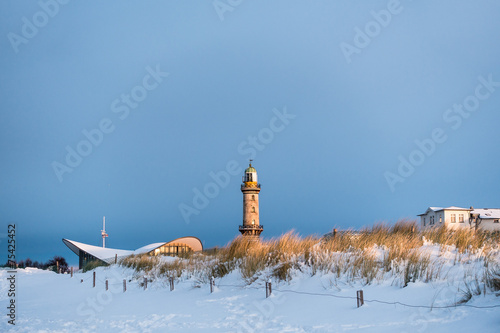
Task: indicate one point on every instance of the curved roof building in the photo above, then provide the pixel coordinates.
(87, 252)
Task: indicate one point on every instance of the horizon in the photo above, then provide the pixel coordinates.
(353, 113)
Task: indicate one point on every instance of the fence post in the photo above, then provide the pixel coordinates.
(116, 257)
(171, 283)
(145, 283)
(268, 289)
(81, 280)
(71, 271)
(212, 283)
(359, 298)
(93, 285)
(106, 285)
(124, 285)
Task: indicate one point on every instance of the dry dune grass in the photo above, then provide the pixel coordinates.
(369, 254)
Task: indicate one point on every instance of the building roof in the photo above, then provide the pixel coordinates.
(485, 213)
(250, 169)
(437, 209)
(108, 254)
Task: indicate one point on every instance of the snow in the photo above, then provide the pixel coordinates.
(487, 213)
(102, 253)
(49, 302)
(456, 208)
(147, 248)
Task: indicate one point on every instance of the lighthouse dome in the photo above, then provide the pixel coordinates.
(250, 169)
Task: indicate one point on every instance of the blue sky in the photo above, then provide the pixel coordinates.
(359, 82)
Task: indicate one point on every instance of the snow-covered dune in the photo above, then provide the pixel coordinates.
(48, 302)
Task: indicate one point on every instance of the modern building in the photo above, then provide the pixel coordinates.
(250, 188)
(87, 252)
(458, 217)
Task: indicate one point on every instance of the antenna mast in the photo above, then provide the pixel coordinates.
(103, 232)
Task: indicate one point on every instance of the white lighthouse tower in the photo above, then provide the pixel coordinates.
(250, 188)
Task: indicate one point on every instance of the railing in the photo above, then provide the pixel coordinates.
(245, 187)
(251, 227)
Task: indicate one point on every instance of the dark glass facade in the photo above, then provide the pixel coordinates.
(84, 258)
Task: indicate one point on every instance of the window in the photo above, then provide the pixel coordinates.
(453, 218)
(253, 209)
(432, 220)
(461, 218)
(440, 218)
(424, 221)
(495, 221)
(253, 221)
(253, 197)
(171, 249)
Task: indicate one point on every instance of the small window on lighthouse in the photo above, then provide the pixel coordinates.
(253, 209)
(253, 221)
(249, 177)
(253, 197)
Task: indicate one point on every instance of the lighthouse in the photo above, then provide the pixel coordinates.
(250, 188)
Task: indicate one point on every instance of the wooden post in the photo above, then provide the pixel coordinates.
(212, 284)
(124, 285)
(58, 271)
(268, 289)
(171, 283)
(81, 281)
(145, 283)
(116, 257)
(106, 285)
(359, 298)
(93, 285)
(71, 271)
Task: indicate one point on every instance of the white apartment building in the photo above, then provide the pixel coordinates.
(458, 217)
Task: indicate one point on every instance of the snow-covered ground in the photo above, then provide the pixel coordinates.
(48, 302)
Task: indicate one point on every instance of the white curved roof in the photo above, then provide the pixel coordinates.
(108, 254)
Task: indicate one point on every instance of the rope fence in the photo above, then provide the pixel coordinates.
(269, 290)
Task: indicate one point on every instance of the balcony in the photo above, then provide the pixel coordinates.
(243, 187)
(251, 227)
